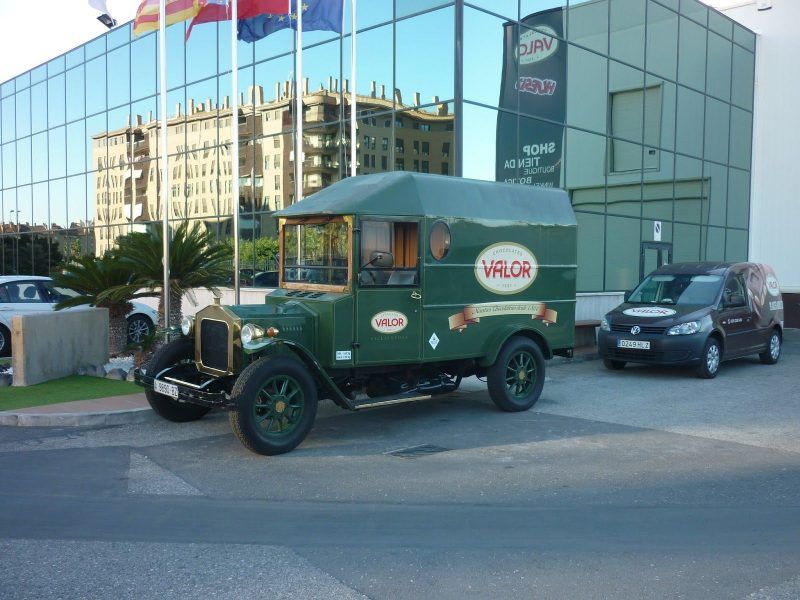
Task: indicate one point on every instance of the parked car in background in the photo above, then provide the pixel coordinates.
(696, 314)
(25, 294)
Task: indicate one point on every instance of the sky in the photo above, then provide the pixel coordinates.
(28, 38)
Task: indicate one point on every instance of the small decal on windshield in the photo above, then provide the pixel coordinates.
(344, 355)
(434, 341)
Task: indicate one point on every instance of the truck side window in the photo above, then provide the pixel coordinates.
(401, 240)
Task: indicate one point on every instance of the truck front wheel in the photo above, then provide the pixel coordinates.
(516, 378)
(170, 355)
(275, 403)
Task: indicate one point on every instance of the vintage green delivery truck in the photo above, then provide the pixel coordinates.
(392, 288)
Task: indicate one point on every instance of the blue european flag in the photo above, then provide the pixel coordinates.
(324, 15)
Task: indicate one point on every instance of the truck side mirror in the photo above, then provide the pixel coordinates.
(381, 260)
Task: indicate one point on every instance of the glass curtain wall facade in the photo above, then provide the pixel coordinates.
(641, 109)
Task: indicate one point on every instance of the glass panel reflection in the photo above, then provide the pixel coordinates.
(622, 258)
(56, 100)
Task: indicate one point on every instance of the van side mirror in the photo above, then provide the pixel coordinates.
(381, 260)
(627, 296)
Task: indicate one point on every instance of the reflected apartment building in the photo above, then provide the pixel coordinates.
(126, 195)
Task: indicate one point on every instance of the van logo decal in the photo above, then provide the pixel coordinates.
(472, 315)
(636, 330)
(772, 285)
(389, 321)
(506, 268)
(652, 312)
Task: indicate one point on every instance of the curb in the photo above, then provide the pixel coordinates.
(119, 417)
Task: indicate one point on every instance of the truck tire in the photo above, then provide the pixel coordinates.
(168, 355)
(275, 404)
(710, 359)
(773, 352)
(516, 378)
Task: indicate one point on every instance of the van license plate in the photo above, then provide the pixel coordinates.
(638, 345)
(168, 389)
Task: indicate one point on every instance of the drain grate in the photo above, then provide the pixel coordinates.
(416, 451)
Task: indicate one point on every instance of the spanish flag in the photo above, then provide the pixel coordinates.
(177, 11)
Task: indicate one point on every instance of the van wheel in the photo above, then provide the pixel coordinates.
(711, 359)
(275, 403)
(773, 352)
(614, 365)
(167, 356)
(516, 378)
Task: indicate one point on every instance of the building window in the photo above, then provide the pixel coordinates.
(385, 144)
(398, 123)
(415, 166)
(277, 142)
(630, 111)
(277, 182)
(399, 164)
(399, 146)
(445, 169)
(384, 163)
(445, 149)
(426, 167)
(426, 148)
(416, 146)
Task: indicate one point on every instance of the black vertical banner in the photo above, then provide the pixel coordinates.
(534, 83)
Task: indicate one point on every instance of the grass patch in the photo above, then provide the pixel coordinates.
(68, 389)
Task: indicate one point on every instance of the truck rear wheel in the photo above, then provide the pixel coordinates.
(516, 378)
(275, 403)
(167, 356)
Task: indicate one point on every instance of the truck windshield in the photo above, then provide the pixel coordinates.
(316, 253)
(677, 289)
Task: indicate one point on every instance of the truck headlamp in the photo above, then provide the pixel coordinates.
(187, 326)
(251, 333)
(604, 324)
(684, 328)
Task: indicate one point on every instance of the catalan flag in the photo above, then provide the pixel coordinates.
(177, 11)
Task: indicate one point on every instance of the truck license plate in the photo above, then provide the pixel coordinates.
(168, 389)
(638, 345)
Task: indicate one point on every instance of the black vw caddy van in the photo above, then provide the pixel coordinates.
(696, 314)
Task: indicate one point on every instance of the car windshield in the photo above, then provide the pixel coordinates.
(677, 289)
(316, 253)
(57, 292)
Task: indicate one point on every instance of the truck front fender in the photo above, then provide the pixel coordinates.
(316, 370)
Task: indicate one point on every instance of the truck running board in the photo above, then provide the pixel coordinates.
(386, 401)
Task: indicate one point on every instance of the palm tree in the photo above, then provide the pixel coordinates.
(102, 282)
(196, 260)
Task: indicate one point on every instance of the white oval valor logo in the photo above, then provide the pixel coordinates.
(536, 45)
(772, 285)
(652, 312)
(389, 321)
(506, 268)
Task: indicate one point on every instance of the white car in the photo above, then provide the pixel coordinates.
(23, 294)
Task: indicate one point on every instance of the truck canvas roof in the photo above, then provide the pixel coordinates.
(415, 194)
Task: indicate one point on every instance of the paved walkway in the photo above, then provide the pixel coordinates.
(130, 408)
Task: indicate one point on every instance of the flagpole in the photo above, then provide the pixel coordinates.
(353, 89)
(166, 187)
(298, 99)
(235, 148)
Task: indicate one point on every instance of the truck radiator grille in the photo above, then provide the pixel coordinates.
(214, 344)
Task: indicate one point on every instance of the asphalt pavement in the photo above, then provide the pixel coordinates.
(644, 483)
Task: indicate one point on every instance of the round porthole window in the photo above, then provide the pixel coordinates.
(440, 240)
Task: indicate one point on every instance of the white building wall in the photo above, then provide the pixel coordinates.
(775, 184)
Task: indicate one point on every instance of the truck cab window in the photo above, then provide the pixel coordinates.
(389, 253)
